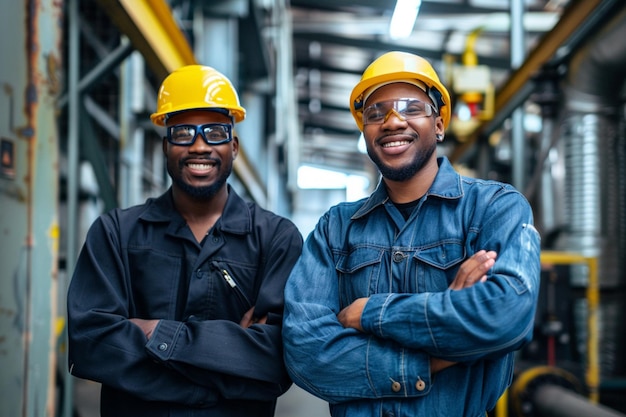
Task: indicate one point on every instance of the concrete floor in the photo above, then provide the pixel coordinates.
(294, 403)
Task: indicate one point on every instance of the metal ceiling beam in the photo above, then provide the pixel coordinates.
(575, 24)
(378, 45)
(427, 7)
(152, 30)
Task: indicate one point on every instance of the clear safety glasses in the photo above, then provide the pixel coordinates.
(212, 133)
(402, 108)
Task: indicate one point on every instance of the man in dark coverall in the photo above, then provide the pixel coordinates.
(175, 305)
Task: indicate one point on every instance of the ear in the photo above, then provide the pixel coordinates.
(235, 146)
(164, 145)
(439, 129)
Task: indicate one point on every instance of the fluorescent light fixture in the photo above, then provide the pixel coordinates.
(403, 18)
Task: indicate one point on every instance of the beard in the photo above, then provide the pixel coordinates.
(203, 192)
(404, 172)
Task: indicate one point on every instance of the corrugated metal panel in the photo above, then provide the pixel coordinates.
(28, 196)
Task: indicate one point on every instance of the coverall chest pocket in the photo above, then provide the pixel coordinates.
(358, 272)
(437, 265)
(232, 291)
(154, 277)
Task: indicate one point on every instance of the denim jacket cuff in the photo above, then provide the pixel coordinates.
(373, 314)
(398, 372)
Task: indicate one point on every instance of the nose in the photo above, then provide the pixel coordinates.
(398, 115)
(199, 144)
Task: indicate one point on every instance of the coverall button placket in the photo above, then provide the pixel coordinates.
(163, 347)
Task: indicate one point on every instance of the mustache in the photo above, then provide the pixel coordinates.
(184, 161)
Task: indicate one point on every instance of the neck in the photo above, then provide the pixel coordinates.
(200, 214)
(414, 188)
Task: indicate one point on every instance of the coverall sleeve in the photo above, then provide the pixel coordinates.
(328, 360)
(486, 320)
(238, 362)
(106, 347)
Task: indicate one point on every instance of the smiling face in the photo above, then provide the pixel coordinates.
(200, 170)
(402, 148)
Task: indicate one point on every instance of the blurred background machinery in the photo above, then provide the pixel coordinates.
(538, 88)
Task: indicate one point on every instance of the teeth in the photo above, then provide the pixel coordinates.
(199, 166)
(396, 143)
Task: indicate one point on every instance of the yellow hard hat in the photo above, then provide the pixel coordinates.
(401, 67)
(196, 87)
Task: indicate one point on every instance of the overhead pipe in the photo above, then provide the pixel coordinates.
(555, 401)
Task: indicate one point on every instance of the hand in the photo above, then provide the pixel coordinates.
(437, 365)
(350, 317)
(474, 270)
(248, 319)
(146, 326)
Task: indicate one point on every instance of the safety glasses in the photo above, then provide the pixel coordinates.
(402, 108)
(212, 133)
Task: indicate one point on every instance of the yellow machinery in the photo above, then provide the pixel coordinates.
(473, 90)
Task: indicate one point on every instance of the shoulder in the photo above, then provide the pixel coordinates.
(340, 215)
(124, 219)
(267, 221)
(490, 188)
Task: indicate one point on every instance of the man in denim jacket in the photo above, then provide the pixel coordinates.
(412, 302)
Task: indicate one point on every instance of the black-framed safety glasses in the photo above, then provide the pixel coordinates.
(212, 133)
(403, 108)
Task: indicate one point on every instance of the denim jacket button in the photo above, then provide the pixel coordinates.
(398, 256)
(420, 385)
(395, 386)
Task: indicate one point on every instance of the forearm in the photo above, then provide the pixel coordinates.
(236, 361)
(460, 325)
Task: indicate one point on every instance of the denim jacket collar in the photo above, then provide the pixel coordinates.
(447, 185)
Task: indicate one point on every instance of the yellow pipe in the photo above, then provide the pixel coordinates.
(593, 299)
(502, 405)
(592, 374)
(470, 59)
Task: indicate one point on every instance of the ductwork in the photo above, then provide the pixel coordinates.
(592, 152)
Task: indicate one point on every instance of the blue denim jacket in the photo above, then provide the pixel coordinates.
(367, 249)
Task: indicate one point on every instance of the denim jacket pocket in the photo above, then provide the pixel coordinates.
(358, 273)
(437, 265)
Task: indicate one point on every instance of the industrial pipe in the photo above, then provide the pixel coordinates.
(555, 401)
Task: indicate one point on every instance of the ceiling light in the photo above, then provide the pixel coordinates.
(403, 18)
